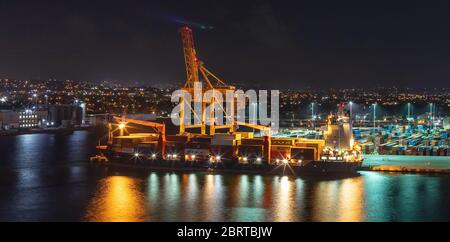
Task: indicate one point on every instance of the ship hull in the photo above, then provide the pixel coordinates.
(311, 168)
(327, 167)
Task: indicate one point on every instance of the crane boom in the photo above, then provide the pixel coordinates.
(255, 126)
(160, 127)
(190, 57)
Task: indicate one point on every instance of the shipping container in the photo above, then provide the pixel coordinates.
(177, 138)
(280, 152)
(246, 135)
(255, 141)
(224, 152)
(421, 150)
(223, 142)
(442, 151)
(303, 154)
(147, 151)
(197, 151)
(250, 153)
(427, 151)
(435, 151)
(220, 136)
(285, 142)
(176, 148)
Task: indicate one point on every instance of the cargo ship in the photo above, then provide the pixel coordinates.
(237, 151)
(233, 150)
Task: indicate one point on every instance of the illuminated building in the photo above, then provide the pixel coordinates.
(28, 119)
(22, 119)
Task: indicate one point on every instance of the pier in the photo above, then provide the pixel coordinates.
(413, 164)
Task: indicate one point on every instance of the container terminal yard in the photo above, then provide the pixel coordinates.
(413, 139)
(415, 144)
(404, 140)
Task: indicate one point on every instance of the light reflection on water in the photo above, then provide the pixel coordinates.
(46, 178)
(351, 197)
(216, 197)
(118, 198)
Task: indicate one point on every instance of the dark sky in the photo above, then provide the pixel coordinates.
(282, 43)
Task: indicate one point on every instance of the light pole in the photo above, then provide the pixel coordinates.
(374, 115)
(374, 126)
(35, 99)
(409, 111)
(312, 114)
(431, 115)
(351, 108)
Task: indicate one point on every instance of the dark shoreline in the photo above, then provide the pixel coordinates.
(44, 131)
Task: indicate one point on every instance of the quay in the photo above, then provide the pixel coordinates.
(408, 164)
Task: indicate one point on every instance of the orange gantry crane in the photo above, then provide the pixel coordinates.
(197, 72)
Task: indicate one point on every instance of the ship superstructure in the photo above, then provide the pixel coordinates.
(339, 141)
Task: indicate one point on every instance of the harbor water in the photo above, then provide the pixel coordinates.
(47, 177)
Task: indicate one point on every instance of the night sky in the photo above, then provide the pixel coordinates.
(284, 44)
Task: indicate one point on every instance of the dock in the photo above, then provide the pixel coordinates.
(410, 164)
